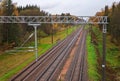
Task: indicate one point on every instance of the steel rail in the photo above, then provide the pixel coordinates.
(33, 66)
(55, 73)
(74, 72)
(41, 58)
(45, 75)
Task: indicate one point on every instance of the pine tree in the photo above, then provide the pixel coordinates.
(9, 29)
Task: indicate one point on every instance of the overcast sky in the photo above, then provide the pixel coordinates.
(75, 7)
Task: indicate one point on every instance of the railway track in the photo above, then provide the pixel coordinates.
(76, 71)
(49, 65)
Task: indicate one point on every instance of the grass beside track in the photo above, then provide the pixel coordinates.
(92, 61)
(10, 64)
(112, 55)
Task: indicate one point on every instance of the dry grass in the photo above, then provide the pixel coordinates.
(10, 64)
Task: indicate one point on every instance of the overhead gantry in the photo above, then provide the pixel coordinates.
(54, 19)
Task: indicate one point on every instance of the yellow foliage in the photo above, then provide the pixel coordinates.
(2, 9)
(15, 11)
(55, 25)
(99, 13)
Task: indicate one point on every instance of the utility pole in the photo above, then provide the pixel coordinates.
(104, 52)
(36, 46)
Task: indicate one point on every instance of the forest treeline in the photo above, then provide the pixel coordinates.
(17, 33)
(113, 26)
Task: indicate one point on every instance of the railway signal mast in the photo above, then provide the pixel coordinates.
(36, 46)
(104, 52)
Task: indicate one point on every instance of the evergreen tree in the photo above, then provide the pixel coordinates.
(115, 22)
(9, 29)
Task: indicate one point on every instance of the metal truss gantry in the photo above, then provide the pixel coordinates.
(54, 19)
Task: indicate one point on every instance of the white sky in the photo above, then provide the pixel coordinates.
(75, 7)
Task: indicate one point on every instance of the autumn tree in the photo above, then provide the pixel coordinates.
(10, 32)
(113, 25)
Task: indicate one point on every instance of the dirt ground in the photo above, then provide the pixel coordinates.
(68, 62)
